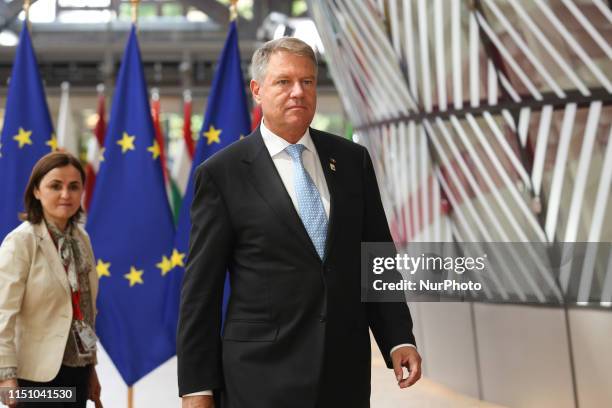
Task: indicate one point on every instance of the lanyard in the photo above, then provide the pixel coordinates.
(77, 314)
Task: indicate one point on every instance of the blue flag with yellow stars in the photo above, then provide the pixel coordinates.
(225, 121)
(27, 134)
(132, 232)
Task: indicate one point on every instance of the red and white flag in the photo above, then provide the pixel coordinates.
(67, 139)
(159, 136)
(182, 162)
(95, 148)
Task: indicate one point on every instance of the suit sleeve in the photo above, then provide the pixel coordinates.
(14, 269)
(210, 243)
(391, 323)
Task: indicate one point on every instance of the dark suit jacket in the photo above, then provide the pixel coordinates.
(296, 333)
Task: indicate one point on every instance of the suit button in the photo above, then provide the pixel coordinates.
(329, 269)
(322, 318)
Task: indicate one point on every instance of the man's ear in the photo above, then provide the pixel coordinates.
(255, 90)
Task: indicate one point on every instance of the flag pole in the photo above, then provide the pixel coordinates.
(233, 10)
(26, 9)
(130, 396)
(134, 4)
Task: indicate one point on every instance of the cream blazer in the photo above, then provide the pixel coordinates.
(35, 301)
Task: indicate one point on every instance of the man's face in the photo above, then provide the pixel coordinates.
(287, 94)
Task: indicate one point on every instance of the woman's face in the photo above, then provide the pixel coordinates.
(60, 193)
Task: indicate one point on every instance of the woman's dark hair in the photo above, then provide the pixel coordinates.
(33, 208)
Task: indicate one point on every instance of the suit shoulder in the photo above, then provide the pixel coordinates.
(21, 239)
(339, 143)
(330, 137)
(228, 156)
(24, 231)
(225, 157)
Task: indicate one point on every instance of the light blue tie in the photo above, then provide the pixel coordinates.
(309, 201)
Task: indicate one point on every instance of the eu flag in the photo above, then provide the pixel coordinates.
(27, 134)
(225, 121)
(132, 232)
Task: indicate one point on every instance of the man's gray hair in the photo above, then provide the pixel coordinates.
(292, 45)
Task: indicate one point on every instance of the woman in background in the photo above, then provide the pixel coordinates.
(48, 288)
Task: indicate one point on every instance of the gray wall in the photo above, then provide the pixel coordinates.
(518, 356)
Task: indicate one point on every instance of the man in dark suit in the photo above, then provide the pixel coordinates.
(284, 211)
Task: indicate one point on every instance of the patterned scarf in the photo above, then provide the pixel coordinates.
(70, 253)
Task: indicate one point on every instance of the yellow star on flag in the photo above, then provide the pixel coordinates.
(165, 265)
(135, 276)
(23, 137)
(52, 143)
(103, 268)
(177, 258)
(212, 135)
(126, 142)
(155, 150)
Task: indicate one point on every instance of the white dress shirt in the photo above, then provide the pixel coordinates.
(276, 146)
(284, 165)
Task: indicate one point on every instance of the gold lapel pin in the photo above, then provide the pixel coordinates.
(332, 164)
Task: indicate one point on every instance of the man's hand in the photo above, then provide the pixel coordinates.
(406, 357)
(12, 383)
(199, 401)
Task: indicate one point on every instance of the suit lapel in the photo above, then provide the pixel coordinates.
(327, 163)
(51, 256)
(267, 182)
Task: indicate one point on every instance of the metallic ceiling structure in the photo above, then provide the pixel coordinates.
(488, 121)
(177, 53)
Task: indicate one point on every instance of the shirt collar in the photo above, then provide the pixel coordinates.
(276, 144)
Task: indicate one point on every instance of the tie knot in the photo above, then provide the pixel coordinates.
(295, 151)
